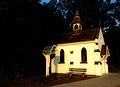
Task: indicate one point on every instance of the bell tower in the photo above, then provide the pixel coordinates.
(77, 23)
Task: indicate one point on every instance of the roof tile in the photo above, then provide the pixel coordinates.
(83, 35)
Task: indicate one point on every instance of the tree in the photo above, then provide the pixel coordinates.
(28, 27)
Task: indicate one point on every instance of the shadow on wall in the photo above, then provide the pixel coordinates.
(56, 61)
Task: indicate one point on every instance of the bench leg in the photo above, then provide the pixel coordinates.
(83, 75)
(70, 74)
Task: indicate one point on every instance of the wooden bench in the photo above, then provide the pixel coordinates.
(78, 71)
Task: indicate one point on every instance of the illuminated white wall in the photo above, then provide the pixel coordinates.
(75, 57)
(100, 40)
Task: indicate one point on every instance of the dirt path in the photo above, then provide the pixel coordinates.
(107, 80)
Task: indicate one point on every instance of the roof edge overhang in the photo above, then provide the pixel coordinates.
(48, 49)
(74, 43)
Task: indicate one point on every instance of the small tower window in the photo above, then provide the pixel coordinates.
(76, 27)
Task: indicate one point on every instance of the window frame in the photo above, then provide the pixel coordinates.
(62, 56)
(76, 27)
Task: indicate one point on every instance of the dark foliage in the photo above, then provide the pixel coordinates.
(27, 26)
(113, 41)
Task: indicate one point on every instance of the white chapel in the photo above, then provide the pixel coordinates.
(79, 49)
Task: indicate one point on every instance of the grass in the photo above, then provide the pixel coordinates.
(42, 81)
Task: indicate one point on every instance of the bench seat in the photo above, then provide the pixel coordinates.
(77, 71)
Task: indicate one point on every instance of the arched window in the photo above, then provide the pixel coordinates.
(76, 27)
(62, 56)
(84, 55)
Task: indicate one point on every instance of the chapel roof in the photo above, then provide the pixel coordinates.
(83, 35)
(48, 49)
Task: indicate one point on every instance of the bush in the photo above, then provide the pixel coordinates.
(114, 69)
